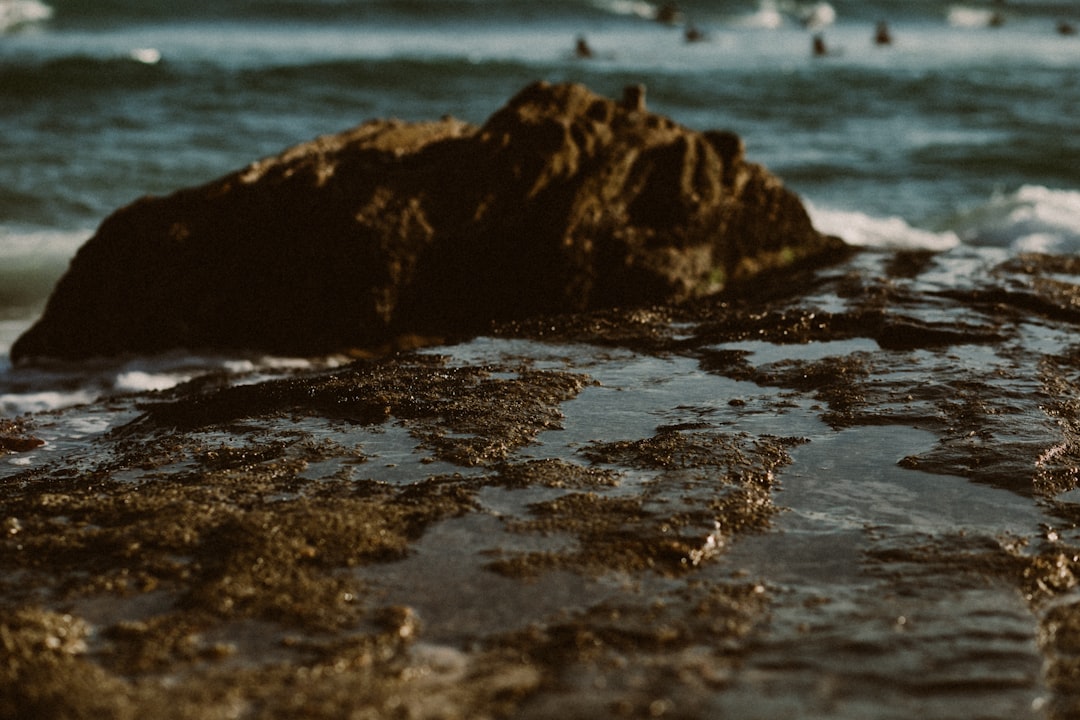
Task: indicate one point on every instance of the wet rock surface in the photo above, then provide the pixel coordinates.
(562, 201)
(853, 494)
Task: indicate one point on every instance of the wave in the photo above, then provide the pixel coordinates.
(773, 14)
(1031, 219)
(888, 233)
(425, 11)
(964, 16)
(746, 13)
(81, 74)
(767, 16)
(30, 263)
(633, 8)
(979, 15)
(17, 14)
(17, 245)
(44, 388)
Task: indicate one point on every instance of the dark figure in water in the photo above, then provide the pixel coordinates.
(582, 49)
(996, 20)
(693, 35)
(882, 35)
(819, 46)
(667, 13)
(1065, 28)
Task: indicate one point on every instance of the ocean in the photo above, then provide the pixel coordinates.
(959, 137)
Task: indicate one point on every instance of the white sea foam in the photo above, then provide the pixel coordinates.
(34, 244)
(891, 233)
(1031, 219)
(31, 261)
(10, 330)
(12, 404)
(147, 56)
(81, 426)
(639, 8)
(17, 13)
(772, 14)
(964, 16)
(54, 387)
(139, 380)
(817, 15)
(768, 16)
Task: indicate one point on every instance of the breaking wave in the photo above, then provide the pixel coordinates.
(1033, 218)
(888, 233)
(61, 385)
(15, 14)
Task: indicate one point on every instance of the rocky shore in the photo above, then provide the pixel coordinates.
(709, 508)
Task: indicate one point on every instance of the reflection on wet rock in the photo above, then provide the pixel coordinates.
(855, 487)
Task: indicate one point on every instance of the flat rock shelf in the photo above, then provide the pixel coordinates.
(849, 496)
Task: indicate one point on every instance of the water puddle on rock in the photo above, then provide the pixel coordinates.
(858, 625)
(885, 583)
(857, 503)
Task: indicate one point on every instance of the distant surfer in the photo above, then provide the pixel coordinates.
(582, 49)
(1066, 28)
(882, 36)
(693, 34)
(668, 13)
(819, 47)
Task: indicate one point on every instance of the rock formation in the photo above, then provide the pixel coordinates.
(562, 201)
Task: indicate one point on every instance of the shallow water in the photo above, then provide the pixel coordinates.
(809, 525)
(848, 636)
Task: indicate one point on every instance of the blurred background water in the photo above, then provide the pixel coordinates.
(960, 132)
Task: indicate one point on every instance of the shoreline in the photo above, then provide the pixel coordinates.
(616, 512)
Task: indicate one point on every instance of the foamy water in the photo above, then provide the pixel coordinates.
(1032, 219)
(15, 14)
(891, 233)
(60, 385)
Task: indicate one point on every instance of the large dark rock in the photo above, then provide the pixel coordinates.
(562, 201)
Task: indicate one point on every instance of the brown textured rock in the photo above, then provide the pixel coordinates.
(562, 201)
